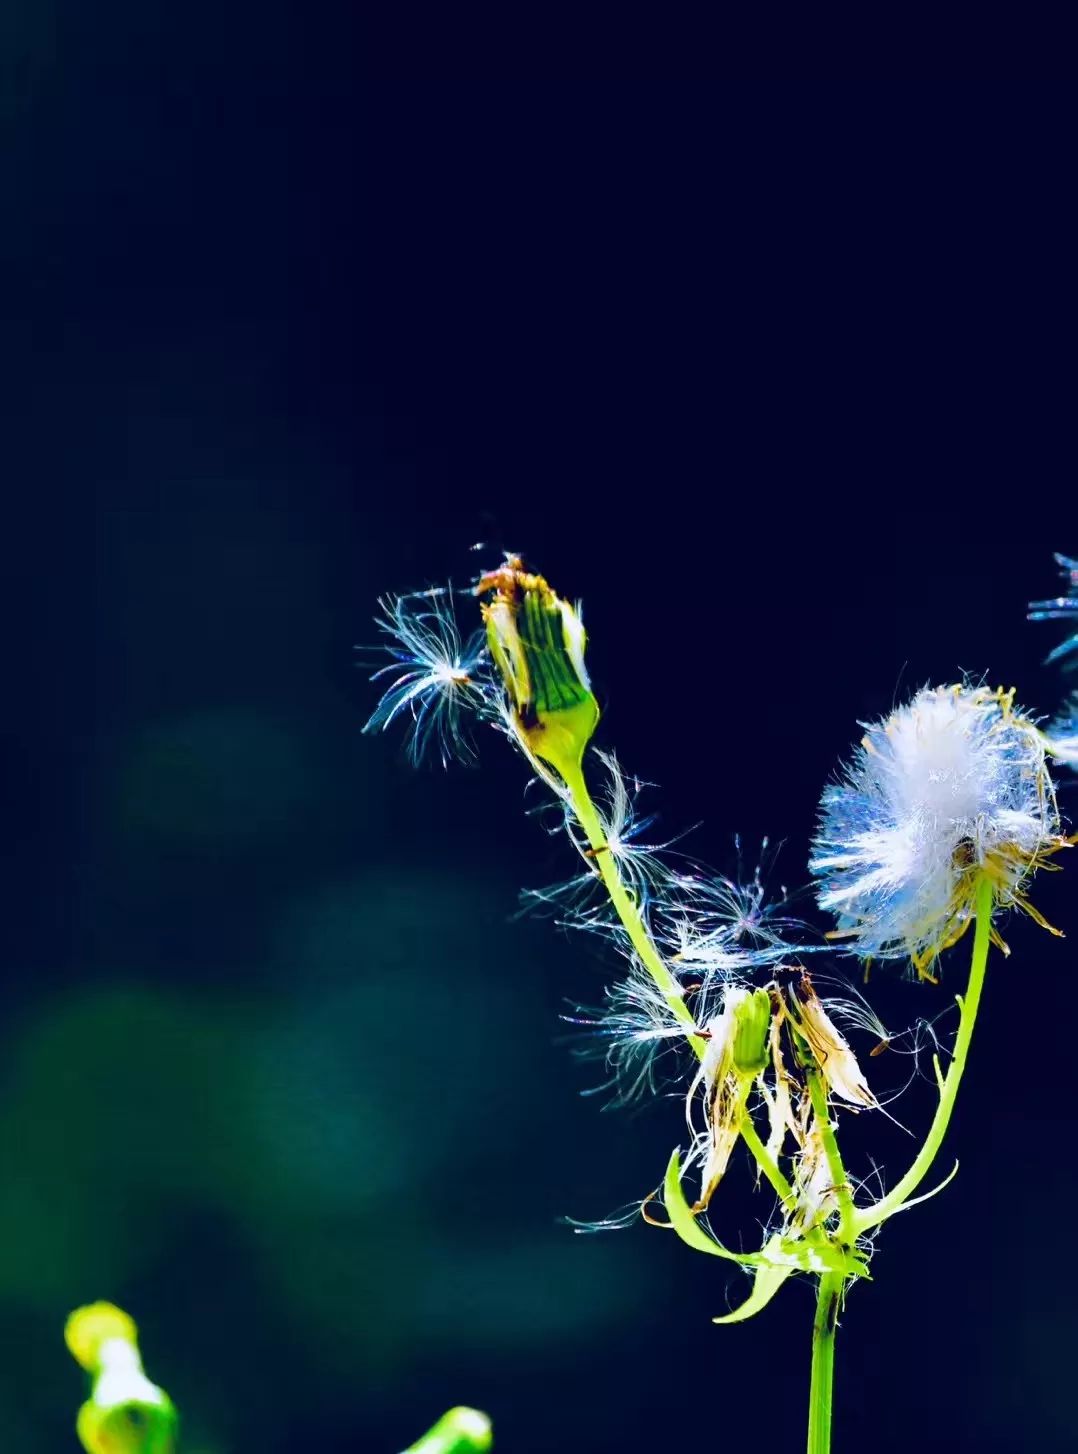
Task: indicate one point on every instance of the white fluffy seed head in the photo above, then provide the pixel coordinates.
(947, 790)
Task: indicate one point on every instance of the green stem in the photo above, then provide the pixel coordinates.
(824, 1324)
(626, 908)
(781, 1187)
(783, 1190)
(839, 1180)
(967, 1007)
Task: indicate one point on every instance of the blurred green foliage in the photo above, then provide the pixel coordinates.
(290, 1098)
(334, 1163)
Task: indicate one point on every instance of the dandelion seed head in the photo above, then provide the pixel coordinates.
(951, 788)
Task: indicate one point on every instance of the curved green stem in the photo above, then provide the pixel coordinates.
(948, 1089)
(824, 1324)
(625, 906)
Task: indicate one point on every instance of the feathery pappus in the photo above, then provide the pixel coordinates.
(437, 675)
(948, 790)
(1061, 608)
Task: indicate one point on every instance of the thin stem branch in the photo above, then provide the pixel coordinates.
(632, 921)
(782, 1188)
(967, 1006)
(839, 1180)
(627, 909)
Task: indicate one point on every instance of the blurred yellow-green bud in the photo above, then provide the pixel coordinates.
(125, 1413)
(537, 642)
(752, 1031)
(89, 1329)
(460, 1431)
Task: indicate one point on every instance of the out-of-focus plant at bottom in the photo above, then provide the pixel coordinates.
(127, 1414)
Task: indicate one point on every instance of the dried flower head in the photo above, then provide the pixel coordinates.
(738, 1051)
(946, 792)
(827, 1046)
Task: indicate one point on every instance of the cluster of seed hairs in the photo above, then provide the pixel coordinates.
(440, 681)
(1062, 734)
(717, 935)
(1061, 608)
(946, 807)
(437, 681)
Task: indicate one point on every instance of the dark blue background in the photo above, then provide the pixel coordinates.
(780, 382)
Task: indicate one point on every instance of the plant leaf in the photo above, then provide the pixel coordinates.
(686, 1225)
(765, 1285)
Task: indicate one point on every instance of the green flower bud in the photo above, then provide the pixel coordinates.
(537, 642)
(750, 1050)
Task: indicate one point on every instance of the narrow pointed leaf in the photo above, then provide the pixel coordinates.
(765, 1285)
(686, 1225)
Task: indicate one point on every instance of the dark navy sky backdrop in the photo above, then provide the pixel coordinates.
(781, 384)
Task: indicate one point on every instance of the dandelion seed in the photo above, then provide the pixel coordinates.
(581, 901)
(947, 792)
(851, 1010)
(437, 675)
(643, 870)
(1061, 608)
(718, 926)
(1061, 738)
(618, 1221)
(630, 1033)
